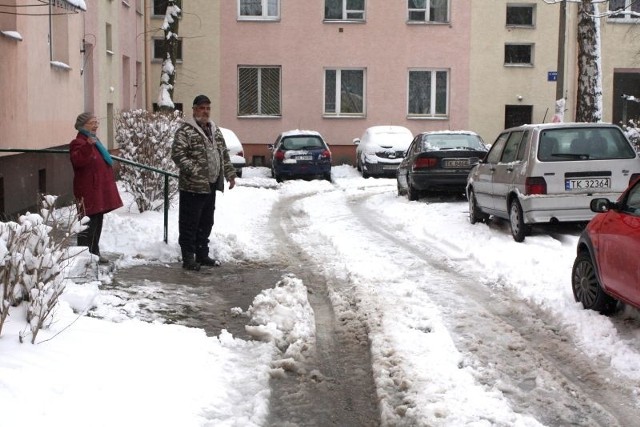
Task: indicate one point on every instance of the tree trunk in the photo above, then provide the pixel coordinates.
(589, 96)
(168, 72)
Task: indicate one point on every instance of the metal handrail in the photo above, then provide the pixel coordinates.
(120, 159)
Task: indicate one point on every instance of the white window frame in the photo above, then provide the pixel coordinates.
(265, 12)
(628, 16)
(520, 64)
(346, 12)
(427, 13)
(338, 94)
(522, 5)
(259, 113)
(432, 114)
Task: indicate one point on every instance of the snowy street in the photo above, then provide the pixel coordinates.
(388, 312)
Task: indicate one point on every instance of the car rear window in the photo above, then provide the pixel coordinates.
(302, 143)
(452, 142)
(568, 144)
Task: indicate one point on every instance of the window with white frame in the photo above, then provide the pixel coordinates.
(258, 9)
(428, 10)
(521, 15)
(518, 54)
(159, 52)
(625, 9)
(259, 91)
(344, 92)
(344, 10)
(428, 93)
(160, 7)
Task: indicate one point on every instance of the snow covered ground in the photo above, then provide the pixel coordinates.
(85, 371)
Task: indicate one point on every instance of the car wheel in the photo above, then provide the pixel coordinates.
(516, 220)
(278, 177)
(365, 174)
(239, 173)
(327, 176)
(475, 215)
(358, 167)
(412, 193)
(586, 286)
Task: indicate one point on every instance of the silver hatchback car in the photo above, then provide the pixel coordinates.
(548, 173)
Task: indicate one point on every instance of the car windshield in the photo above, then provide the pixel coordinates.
(303, 142)
(452, 142)
(592, 143)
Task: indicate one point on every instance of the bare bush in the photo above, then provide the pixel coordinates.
(31, 264)
(632, 131)
(146, 138)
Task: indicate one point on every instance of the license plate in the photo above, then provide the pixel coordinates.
(456, 163)
(390, 168)
(304, 157)
(587, 183)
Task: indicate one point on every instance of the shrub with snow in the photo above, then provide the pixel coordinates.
(146, 138)
(632, 131)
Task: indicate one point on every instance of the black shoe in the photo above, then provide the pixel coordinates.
(189, 263)
(209, 262)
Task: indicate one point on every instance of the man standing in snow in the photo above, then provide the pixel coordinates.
(201, 154)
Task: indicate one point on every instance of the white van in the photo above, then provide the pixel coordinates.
(380, 150)
(549, 173)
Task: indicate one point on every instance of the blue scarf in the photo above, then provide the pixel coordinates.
(101, 148)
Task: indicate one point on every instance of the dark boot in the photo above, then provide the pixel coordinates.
(189, 262)
(202, 257)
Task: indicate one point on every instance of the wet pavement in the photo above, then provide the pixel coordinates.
(202, 299)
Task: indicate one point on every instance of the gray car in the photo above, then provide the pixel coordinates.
(548, 173)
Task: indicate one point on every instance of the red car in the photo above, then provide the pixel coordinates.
(607, 267)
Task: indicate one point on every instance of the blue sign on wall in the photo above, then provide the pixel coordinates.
(552, 76)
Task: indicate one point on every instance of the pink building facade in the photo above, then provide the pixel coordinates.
(289, 65)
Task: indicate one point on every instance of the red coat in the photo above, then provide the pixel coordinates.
(94, 183)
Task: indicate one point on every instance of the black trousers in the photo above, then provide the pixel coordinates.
(91, 236)
(195, 221)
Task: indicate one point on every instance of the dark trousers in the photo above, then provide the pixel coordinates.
(195, 221)
(91, 236)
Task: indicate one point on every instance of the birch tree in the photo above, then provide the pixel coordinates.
(168, 72)
(589, 92)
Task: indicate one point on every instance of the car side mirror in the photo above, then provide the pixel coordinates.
(356, 141)
(270, 146)
(601, 205)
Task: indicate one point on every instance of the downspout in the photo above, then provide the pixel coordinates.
(147, 64)
(50, 33)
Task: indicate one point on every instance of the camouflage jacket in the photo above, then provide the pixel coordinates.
(189, 152)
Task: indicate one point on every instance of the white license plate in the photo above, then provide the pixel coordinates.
(304, 158)
(390, 168)
(587, 183)
(456, 163)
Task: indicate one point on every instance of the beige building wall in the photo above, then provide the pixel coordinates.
(199, 70)
(495, 85)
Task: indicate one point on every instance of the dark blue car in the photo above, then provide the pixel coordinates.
(300, 154)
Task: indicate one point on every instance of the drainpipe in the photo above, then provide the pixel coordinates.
(50, 33)
(561, 50)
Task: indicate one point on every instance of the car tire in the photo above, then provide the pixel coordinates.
(327, 176)
(412, 193)
(278, 178)
(365, 174)
(586, 286)
(475, 215)
(358, 166)
(239, 173)
(516, 221)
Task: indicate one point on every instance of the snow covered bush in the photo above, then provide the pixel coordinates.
(30, 264)
(146, 138)
(632, 131)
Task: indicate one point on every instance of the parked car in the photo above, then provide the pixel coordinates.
(380, 150)
(300, 154)
(236, 153)
(548, 173)
(439, 161)
(606, 265)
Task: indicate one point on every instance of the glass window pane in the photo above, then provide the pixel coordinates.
(332, 9)
(248, 91)
(438, 10)
(270, 91)
(441, 92)
(352, 91)
(517, 54)
(355, 4)
(417, 4)
(419, 92)
(520, 15)
(251, 7)
(330, 91)
(273, 8)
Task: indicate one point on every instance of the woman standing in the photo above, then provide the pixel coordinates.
(94, 185)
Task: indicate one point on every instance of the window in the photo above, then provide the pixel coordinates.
(428, 10)
(109, 38)
(258, 9)
(259, 91)
(520, 15)
(344, 10)
(517, 115)
(160, 7)
(59, 36)
(344, 92)
(160, 54)
(428, 93)
(518, 54)
(629, 9)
